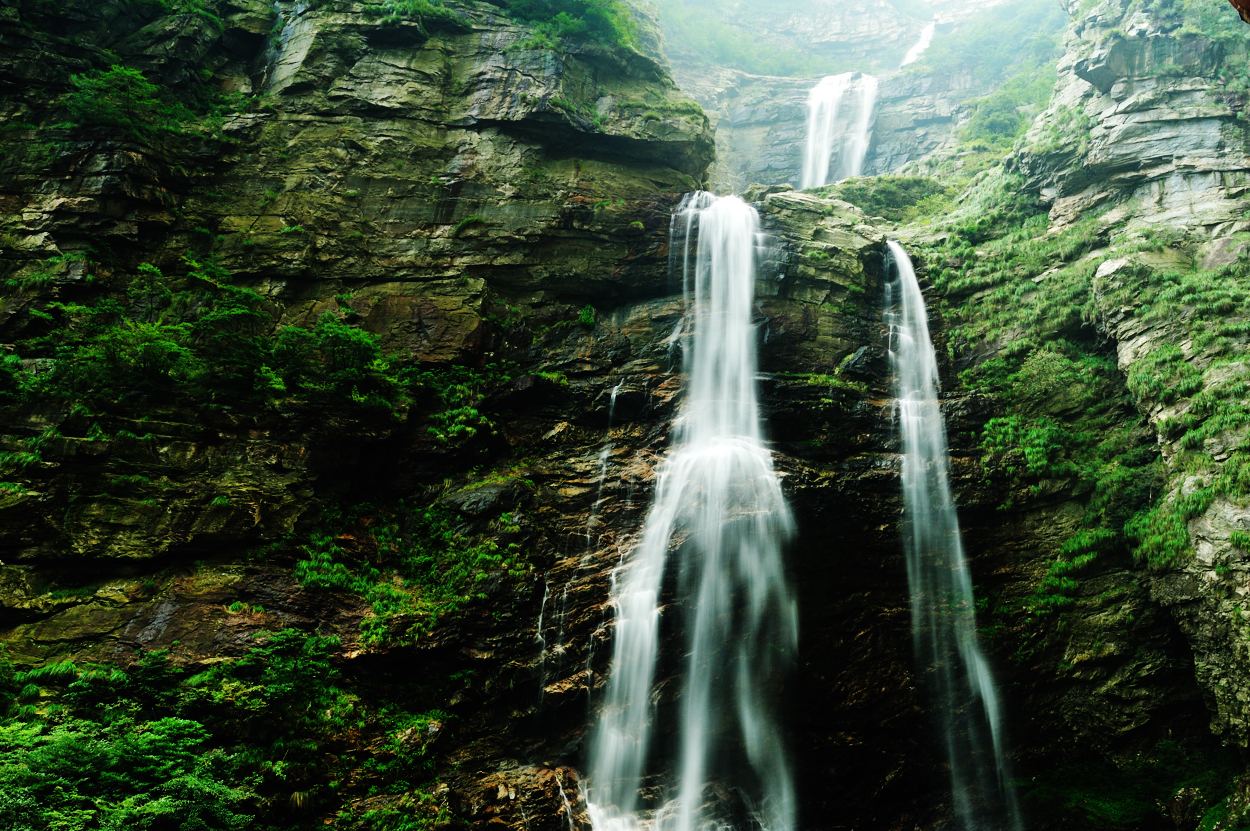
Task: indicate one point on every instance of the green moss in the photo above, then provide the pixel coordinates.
(152, 746)
(412, 566)
(896, 198)
(466, 223)
(1130, 793)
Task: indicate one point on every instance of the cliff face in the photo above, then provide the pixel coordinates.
(452, 210)
(1091, 293)
(1162, 150)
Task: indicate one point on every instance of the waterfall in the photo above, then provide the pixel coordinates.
(840, 112)
(921, 46)
(714, 533)
(944, 632)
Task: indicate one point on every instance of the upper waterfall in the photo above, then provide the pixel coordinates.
(944, 629)
(714, 532)
(840, 111)
(920, 46)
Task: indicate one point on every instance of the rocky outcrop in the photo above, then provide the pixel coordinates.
(1146, 131)
(1144, 113)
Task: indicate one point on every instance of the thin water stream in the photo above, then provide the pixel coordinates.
(962, 693)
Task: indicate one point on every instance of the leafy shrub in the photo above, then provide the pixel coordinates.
(338, 366)
(151, 747)
(201, 341)
(413, 566)
(120, 99)
(459, 392)
(602, 21)
(896, 198)
(423, 11)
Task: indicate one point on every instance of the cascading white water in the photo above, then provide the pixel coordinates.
(716, 527)
(961, 686)
(920, 46)
(840, 111)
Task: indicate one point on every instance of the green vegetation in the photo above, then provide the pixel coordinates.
(1021, 298)
(459, 392)
(155, 746)
(607, 22)
(1132, 794)
(1026, 300)
(466, 223)
(411, 566)
(200, 341)
(422, 11)
(1000, 118)
(896, 198)
(121, 100)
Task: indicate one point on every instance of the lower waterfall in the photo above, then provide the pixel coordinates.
(714, 533)
(957, 676)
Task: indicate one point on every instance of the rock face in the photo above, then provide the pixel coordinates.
(469, 198)
(1143, 112)
(1146, 132)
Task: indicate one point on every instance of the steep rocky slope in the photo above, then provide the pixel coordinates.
(450, 209)
(1092, 290)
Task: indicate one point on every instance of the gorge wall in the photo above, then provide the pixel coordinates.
(734, 62)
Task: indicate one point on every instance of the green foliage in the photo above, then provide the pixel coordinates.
(1000, 118)
(1034, 449)
(896, 198)
(467, 222)
(608, 22)
(1131, 793)
(1164, 375)
(147, 747)
(588, 317)
(198, 338)
(1211, 20)
(412, 566)
(120, 99)
(339, 367)
(1066, 129)
(1162, 533)
(422, 11)
(259, 728)
(46, 272)
(1069, 425)
(200, 341)
(1077, 554)
(459, 392)
(13, 379)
